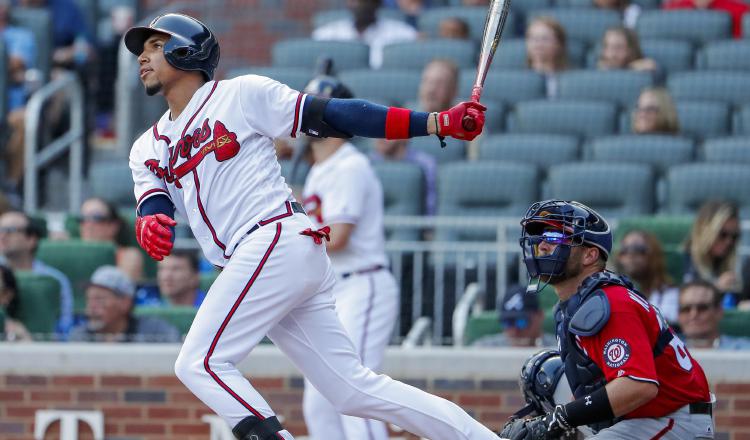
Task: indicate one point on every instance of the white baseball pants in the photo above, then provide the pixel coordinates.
(279, 283)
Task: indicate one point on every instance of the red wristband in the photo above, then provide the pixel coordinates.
(397, 123)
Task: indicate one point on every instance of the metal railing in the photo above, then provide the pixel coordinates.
(71, 141)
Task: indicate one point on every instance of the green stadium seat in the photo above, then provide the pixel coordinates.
(728, 87)
(728, 150)
(390, 87)
(725, 55)
(582, 24)
(482, 324)
(688, 186)
(416, 54)
(543, 150)
(329, 16)
(39, 22)
(506, 86)
(622, 87)
(484, 189)
(305, 53)
(474, 16)
(511, 54)
(39, 303)
(455, 149)
(741, 121)
(112, 181)
(77, 259)
(572, 117)
(659, 151)
(735, 323)
(403, 193)
(696, 26)
(613, 189)
(704, 120)
(180, 317)
(207, 280)
(295, 77)
(670, 55)
(2, 320)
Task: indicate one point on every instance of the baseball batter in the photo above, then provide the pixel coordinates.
(631, 376)
(210, 157)
(343, 191)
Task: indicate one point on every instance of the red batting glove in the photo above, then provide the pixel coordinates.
(450, 122)
(154, 236)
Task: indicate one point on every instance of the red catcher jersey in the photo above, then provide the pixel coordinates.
(624, 347)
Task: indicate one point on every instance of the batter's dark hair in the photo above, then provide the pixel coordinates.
(9, 283)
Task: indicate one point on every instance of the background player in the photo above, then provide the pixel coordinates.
(211, 158)
(632, 378)
(342, 191)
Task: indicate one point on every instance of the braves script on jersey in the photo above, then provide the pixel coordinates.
(216, 162)
(624, 348)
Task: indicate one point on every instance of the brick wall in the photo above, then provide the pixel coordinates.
(154, 405)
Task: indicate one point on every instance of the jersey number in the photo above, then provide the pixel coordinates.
(681, 353)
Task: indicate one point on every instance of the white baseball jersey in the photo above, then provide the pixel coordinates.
(344, 189)
(217, 162)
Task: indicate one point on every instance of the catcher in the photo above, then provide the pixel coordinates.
(631, 377)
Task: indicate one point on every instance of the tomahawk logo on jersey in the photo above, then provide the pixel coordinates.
(624, 347)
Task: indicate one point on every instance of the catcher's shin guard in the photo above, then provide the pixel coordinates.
(253, 428)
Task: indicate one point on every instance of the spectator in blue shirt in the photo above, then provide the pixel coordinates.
(178, 282)
(19, 240)
(71, 36)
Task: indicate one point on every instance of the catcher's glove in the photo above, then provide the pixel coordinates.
(551, 426)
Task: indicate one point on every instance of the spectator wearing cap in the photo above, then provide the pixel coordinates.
(367, 27)
(109, 313)
(700, 315)
(178, 282)
(522, 320)
(19, 241)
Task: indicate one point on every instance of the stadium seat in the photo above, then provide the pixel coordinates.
(329, 16)
(179, 316)
(507, 86)
(88, 257)
(730, 87)
(728, 150)
(511, 54)
(403, 194)
(619, 86)
(696, 26)
(725, 55)
(484, 189)
(741, 121)
(614, 190)
(670, 55)
(416, 54)
(112, 181)
(455, 149)
(688, 186)
(703, 120)
(389, 87)
(207, 280)
(295, 77)
(581, 24)
(4, 83)
(2, 319)
(659, 151)
(672, 232)
(39, 302)
(645, 4)
(543, 150)
(474, 16)
(39, 22)
(734, 323)
(573, 117)
(746, 26)
(305, 53)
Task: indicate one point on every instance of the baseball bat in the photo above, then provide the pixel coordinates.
(493, 30)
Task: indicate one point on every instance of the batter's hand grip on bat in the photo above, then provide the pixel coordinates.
(468, 122)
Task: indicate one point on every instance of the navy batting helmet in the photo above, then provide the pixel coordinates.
(191, 46)
(541, 382)
(566, 224)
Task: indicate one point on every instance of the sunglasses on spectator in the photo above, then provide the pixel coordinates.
(635, 249)
(94, 218)
(699, 307)
(647, 109)
(729, 235)
(519, 323)
(13, 229)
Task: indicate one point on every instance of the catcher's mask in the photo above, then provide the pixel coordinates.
(566, 224)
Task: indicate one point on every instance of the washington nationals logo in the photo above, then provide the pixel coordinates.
(194, 148)
(616, 352)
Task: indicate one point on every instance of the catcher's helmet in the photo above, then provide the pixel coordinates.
(566, 224)
(541, 382)
(191, 46)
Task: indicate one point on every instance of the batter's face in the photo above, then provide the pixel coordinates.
(155, 72)
(176, 277)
